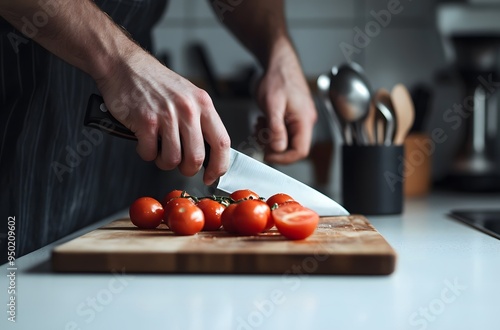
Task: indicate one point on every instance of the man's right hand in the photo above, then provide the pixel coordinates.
(155, 102)
(142, 94)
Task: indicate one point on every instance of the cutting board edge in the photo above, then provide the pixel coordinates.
(239, 263)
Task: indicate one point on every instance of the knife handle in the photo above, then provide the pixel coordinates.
(98, 116)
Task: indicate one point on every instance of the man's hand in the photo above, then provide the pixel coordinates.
(154, 102)
(145, 96)
(283, 93)
(285, 98)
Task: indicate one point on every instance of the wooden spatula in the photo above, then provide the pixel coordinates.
(405, 112)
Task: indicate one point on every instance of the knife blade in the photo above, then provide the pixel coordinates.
(244, 172)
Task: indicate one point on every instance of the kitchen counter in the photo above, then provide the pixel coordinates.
(447, 277)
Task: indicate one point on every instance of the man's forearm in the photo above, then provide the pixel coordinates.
(258, 24)
(76, 31)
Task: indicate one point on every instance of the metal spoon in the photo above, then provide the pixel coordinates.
(384, 124)
(323, 83)
(383, 96)
(350, 95)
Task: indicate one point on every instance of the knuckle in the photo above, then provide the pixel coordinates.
(183, 102)
(192, 164)
(170, 162)
(150, 120)
(224, 142)
(203, 98)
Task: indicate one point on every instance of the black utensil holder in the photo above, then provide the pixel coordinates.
(372, 179)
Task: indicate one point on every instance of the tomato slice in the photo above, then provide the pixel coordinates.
(295, 221)
(146, 213)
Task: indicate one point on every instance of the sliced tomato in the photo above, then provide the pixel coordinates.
(295, 221)
(146, 213)
(213, 212)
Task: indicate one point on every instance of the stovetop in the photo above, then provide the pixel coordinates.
(487, 221)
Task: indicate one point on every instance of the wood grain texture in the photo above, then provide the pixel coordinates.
(340, 245)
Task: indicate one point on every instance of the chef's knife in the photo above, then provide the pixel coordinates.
(244, 172)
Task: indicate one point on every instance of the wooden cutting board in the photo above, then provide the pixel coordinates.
(340, 245)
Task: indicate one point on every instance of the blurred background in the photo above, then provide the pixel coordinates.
(441, 50)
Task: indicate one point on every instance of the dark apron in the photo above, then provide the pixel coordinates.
(56, 175)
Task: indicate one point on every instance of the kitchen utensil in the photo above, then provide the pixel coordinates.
(244, 172)
(350, 94)
(323, 83)
(404, 110)
(385, 121)
(369, 124)
(340, 245)
(384, 124)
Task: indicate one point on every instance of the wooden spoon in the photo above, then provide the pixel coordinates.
(405, 112)
(369, 124)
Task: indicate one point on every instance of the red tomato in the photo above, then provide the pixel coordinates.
(250, 217)
(290, 203)
(212, 210)
(174, 202)
(279, 199)
(174, 194)
(186, 219)
(269, 224)
(227, 218)
(243, 194)
(295, 221)
(146, 213)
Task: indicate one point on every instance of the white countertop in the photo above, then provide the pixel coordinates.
(447, 277)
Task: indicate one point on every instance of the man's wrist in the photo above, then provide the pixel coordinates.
(109, 56)
(282, 53)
